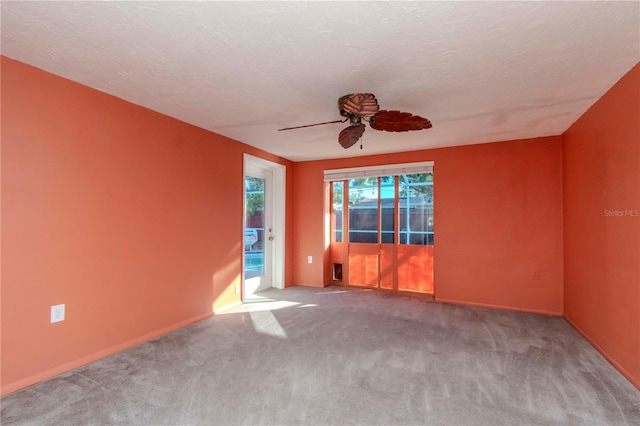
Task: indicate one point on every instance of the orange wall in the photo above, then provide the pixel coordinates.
(130, 218)
(497, 216)
(601, 163)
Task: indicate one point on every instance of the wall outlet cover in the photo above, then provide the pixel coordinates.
(57, 313)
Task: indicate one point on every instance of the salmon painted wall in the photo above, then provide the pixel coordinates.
(497, 217)
(130, 218)
(601, 178)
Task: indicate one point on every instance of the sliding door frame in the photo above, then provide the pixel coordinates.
(386, 279)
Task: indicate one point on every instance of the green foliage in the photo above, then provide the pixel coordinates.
(416, 190)
(338, 194)
(254, 195)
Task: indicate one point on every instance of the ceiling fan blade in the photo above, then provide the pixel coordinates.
(361, 104)
(350, 135)
(311, 125)
(396, 121)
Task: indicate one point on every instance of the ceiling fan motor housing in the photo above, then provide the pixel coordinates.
(355, 120)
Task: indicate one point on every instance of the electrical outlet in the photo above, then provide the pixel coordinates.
(57, 313)
(536, 275)
(237, 288)
(309, 259)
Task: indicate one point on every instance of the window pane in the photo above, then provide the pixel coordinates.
(254, 227)
(387, 203)
(363, 210)
(337, 191)
(416, 209)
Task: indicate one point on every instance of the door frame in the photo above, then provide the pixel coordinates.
(344, 175)
(277, 175)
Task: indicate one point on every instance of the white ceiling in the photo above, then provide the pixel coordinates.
(480, 71)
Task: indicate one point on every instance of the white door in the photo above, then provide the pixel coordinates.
(263, 226)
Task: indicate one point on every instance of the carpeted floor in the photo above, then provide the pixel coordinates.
(344, 356)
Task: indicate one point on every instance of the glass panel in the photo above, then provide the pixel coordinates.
(363, 210)
(254, 227)
(416, 208)
(387, 204)
(337, 194)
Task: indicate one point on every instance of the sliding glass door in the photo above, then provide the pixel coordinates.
(382, 232)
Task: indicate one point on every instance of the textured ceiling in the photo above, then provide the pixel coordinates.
(480, 71)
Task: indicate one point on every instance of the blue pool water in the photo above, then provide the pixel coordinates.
(254, 261)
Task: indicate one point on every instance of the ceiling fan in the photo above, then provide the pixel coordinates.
(364, 106)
